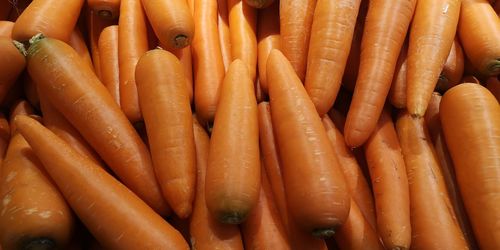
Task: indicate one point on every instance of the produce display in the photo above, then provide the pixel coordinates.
(249, 124)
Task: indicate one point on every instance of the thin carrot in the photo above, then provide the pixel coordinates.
(6, 28)
(103, 201)
(224, 33)
(453, 68)
(432, 32)
(331, 37)
(479, 32)
(207, 59)
(430, 210)
(397, 93)
(109, 9)
(86, 103)
(296, 18)
(383, 37)
(268, 37)
(165, 105)
(19, 107)
(493, 85)
(233, 179)
(12, 63)
(475, 149)
(95, 26)
(306, 154)
(108, 54)
(77, 42)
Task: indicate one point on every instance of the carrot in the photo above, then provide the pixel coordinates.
(432, 116)
(109, 9)
(184, 56)
(207, 59)
(430, 210)
(171, 21)
(260, 96)
(331, 37)
(453, 68)
(4, 138)
(77, 42)
(479, 32)
(308, 158)
(224, 33)
(493, 85)
(383, 38)
(475, 149)
(12, 63)
(471, 79)
(268, 36)
(206, 232)
(6, 28)
(296, 18)
(132, 44)
(19, 107)
(356, 182)
(242, 29)
(259, 4)
(233, 179)
(103, 201)
(432, 32)
(191, 6)
(5, 8)
(86, 103)
(108, 54)
(164, 101)
(397, 93)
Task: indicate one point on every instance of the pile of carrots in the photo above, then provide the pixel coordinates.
(249, 124)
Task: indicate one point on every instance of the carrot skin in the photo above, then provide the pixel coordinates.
(108, 55)
(397, 93)
(268, 37)
(224, 32)
(6, 28)
(453, 68)
(77, 42)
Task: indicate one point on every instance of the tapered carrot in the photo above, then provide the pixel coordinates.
(99, 200)
(383, 37)
(479, 32)
(432, 32)
(5, 8)
(19, 107)
(171, 20)
(95, 26)
(296, 18)
(206, 232)
(331, 37)
(109, 9)
(86, 103)
(6, 28)
(233, 178)
(356, 182)
(108, 55)
(53, 18)
(165, 105)
(493, 85)
(430, 210)
(475, 149)
(390, 184)
(224, 33)
(207, 59)
(308, 158)
(268, 37)
(397, 93)
(77, 42)
(12, 63)
(453, 68)
(132, 44)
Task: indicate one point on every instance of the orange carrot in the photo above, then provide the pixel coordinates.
(493, 85)
(432, 32)
(100, 201)
(397, 93)
(383, 37)
(77, 42)
(206, 232)
(331, 37)
(6, 28)
(233, 179)
(453, 68)
(164, 101)
(95, 26)
(224, 33)
(109, 9)
(430, 210)
(307, 156)
(108, 54)
(268, 35)
(296, 18)
(12, 63)
(53, 18)
(479, 32)
(184, 56)
(474, 146)
(86, 103)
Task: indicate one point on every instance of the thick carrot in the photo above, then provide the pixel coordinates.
(86, 103)
(12, 63)
(356, 182)
(207, 59)
(233, 178)
(165, 105)
(493, 85)
(108, 55)
(430, 210)
(171, 20)
(5, 8)
(397, 93)
(77, 42)
(296, 18)
(224, 33)
(390, 184)
(206, 232)
(383, 37)
(268, 37)
(331, 37)
(109, 9)
(242, 29)
(132, 44)
(475, 149)
(479, 32)
(307, 156)
(453, 68)
(432, 32)
(6, 28)
(53, 18)
(100, 201)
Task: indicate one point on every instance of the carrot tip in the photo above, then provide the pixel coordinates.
(105, 13)
(181, 41)
(323, 232)
(20, 47)
(233, 218)
(42, 243)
